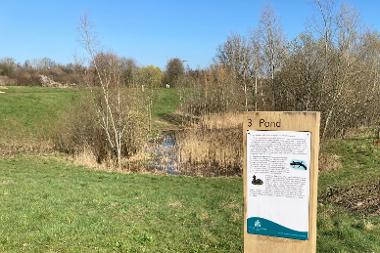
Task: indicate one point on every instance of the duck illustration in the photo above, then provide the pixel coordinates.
(256, 181)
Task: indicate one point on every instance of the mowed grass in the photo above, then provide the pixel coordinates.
(165, 105)
(53, 206)
(166, 102)
(30, 113)
(50, 206)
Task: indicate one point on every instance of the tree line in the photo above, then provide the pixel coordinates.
(32, 72)
(332, 67)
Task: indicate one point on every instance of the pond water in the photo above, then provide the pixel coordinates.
(164, 153)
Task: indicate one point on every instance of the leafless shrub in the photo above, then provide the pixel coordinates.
(5, 80)
(115, 109)
(336, 75)
(79, 133)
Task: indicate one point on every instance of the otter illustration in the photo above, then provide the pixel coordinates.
(298, 163)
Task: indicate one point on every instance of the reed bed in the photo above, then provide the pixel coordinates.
(212, 147)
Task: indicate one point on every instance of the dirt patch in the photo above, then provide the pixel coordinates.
(363, 199)
(1, 92)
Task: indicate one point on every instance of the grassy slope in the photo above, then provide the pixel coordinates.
(31, 112)
(166, 102)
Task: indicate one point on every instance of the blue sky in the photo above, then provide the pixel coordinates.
(149, 31)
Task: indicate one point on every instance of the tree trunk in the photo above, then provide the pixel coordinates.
(246, 96)
(327, 123)
(119, 156)
(256, 84)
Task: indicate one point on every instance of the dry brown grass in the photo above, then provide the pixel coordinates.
(175, 204)
(88, 159)
(11, 148)
(213, 147)
(363, 199)
(222, 120)
(329, 162)
(136, 163)
(360, 132)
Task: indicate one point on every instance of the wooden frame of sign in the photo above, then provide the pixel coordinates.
(284, 121)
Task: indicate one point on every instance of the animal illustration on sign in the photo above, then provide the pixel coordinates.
(298, 164)
(257, 181)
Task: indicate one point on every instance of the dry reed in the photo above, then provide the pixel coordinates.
(213, 147)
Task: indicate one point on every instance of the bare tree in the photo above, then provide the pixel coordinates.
(106, 90)
(339, 67)
(273, 45)
(326, 10)
(257, 59)
(235, 55)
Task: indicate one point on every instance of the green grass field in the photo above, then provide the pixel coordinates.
(49, 205)
(53, 206)
(166, 102)
(30, 113)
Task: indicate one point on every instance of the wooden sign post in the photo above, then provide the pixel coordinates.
(280, 181)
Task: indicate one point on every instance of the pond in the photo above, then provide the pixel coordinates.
(164, 153)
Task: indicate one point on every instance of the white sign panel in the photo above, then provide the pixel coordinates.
(278, 175)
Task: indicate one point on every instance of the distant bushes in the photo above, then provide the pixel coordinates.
(29, 73)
